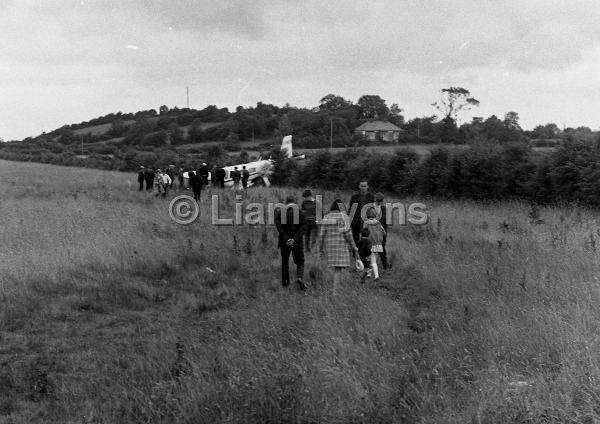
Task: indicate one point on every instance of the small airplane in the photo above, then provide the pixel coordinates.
(262, 169)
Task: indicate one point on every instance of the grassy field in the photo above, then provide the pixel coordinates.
(113, 313)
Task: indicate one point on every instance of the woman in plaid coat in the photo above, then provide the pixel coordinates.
(335, 238)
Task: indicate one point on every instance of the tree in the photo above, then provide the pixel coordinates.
(216, 154)
(333, 102)
(550, 130)
(395, 115)
(163, 110)
(372, 106)
(117, 128)
(285, 126)
(511, 121)
(448, 131)
(176, 133)
(453, 100)
(422, 127)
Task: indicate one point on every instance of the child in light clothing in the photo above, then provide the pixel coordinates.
(376, 234)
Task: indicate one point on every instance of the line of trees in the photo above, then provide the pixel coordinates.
(484, 171)
(311, 127)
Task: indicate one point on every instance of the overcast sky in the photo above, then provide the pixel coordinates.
(67, 61)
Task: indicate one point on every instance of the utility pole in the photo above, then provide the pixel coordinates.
(187, 90)
(418, 130)
(81, 144)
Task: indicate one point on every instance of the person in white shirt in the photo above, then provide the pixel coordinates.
(163, 181)
(167, 182)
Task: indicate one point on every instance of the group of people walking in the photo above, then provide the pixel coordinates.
(164, 179)
(362, 243)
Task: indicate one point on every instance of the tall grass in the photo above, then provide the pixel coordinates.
(113, 313)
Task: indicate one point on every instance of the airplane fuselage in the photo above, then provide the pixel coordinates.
(259, 169)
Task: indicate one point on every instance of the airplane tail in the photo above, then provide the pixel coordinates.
(286, 145)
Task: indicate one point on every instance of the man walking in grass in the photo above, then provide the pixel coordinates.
(357, 201)
(220, 177)
(245, 177)
(180, 178)
(162, 181)
(291, 225)
(309, 208)
(236, 176)
(150, 176)
(203, 173)
(196, 184)
(141, 177)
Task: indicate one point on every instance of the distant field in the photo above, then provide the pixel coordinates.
(112, 313)
(421, 149)
(102, 129)
(98, 129)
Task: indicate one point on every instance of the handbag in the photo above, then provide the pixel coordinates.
(359, 265)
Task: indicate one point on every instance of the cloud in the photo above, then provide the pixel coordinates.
(132, 53)
(235, 17)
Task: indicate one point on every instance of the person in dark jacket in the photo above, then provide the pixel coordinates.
(309, 208)
(291, 231)
(149, 179)
(180, 178)
(196, 184)
(381, 212)
(236, 176)
(203, 174)
(357, 202)
(245, 177)
(220, 177)
(141, 177)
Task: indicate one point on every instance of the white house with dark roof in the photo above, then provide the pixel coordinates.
(379, 130)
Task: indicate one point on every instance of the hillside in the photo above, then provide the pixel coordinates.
(122, 141)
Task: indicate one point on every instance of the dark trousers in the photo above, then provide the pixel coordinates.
(356, 227)
(149, 185)
(366, 260)
(222, 183)
(298, 256)
(245, 182)
(383, 255)
(161, 188)
(141, 184)
(197, 193)
(311, 233)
